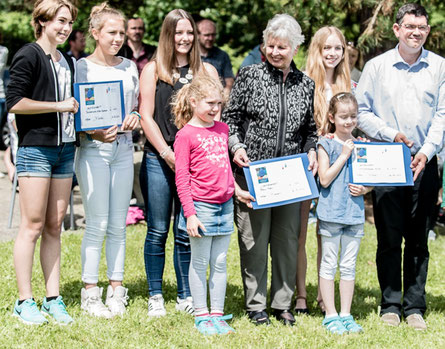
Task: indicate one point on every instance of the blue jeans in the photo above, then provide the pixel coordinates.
(159, 191)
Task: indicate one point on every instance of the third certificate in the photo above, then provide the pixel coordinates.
(381, 164)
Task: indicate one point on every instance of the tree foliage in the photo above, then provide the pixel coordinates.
(241, 22)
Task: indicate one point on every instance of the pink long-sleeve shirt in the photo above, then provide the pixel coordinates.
(203, 171)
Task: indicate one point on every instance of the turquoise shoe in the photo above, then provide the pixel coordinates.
(221, 325)
(57, 309)
(334, 325)
(28, 313)
(350, 324)
(205, 325)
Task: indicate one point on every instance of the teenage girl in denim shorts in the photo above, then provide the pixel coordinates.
(40, 95)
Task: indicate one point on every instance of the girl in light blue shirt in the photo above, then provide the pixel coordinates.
(340, 211)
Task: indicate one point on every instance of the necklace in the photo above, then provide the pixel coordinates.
(184, 80)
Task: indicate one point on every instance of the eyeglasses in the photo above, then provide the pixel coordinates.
(412, 27)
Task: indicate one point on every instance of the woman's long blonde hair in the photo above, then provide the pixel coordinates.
(198, 89)
(165, 56)
(316, 71)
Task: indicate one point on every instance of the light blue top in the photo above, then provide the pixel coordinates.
(335, 203)
(394, 96)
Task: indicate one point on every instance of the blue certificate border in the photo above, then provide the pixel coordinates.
(77, 118)
(406, 162)
(310, 178)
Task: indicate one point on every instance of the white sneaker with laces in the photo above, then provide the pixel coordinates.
(185, 305)
(117, 300)
(91, 302)
(156, 306)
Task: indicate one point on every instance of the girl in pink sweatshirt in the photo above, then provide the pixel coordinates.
(205, 186)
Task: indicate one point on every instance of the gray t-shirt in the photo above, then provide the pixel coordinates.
(64, 79)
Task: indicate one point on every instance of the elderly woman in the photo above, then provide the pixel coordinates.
(270, 114)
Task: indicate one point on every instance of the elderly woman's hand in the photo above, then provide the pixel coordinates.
(240, 158)
(243, 196)
(313, 163)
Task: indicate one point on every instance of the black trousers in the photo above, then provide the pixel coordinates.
(401, 213)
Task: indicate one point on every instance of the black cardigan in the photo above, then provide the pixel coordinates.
(33, 76)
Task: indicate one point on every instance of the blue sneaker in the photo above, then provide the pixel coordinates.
(28, 313)
(221, 325)
(350, 324)
(334, 325)
(205, 325)
(57, 309)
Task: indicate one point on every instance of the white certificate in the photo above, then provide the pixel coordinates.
(381, 164)
(280, 181)
(101, 105)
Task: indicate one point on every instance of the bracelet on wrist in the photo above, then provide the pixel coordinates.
(165, 152)
(238, 146)
(137, 114)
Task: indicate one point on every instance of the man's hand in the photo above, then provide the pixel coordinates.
(418, 164)
(401, 138)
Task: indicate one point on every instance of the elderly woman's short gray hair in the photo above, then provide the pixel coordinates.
(283, 26)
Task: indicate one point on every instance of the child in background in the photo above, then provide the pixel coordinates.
(340, 211)
(205, 187)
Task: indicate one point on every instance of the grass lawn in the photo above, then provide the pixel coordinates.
(135, 330)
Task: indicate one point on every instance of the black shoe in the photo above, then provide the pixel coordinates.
(285, 316)
(259, 317)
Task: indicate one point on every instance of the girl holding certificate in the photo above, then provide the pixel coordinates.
(327, 65)
(176, 62)
(39, 94)
(104, 167)
(340, 211)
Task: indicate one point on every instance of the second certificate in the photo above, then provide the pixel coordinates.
(279, 181)
(101, 105)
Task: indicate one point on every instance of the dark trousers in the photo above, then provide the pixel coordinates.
(402, 212)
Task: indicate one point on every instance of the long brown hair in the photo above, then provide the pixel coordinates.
(343, 97)
(316, 71)
(165, 55)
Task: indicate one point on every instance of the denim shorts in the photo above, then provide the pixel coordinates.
(331, 229)
(216, 218)
(47, 162)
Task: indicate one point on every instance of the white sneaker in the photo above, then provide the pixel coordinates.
(156, 306)
(185, 305)
(117, 300)
(91, 302)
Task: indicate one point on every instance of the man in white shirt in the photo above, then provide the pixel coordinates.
(401, 96)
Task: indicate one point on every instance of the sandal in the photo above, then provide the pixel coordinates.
(301, 311)
(321, 306)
